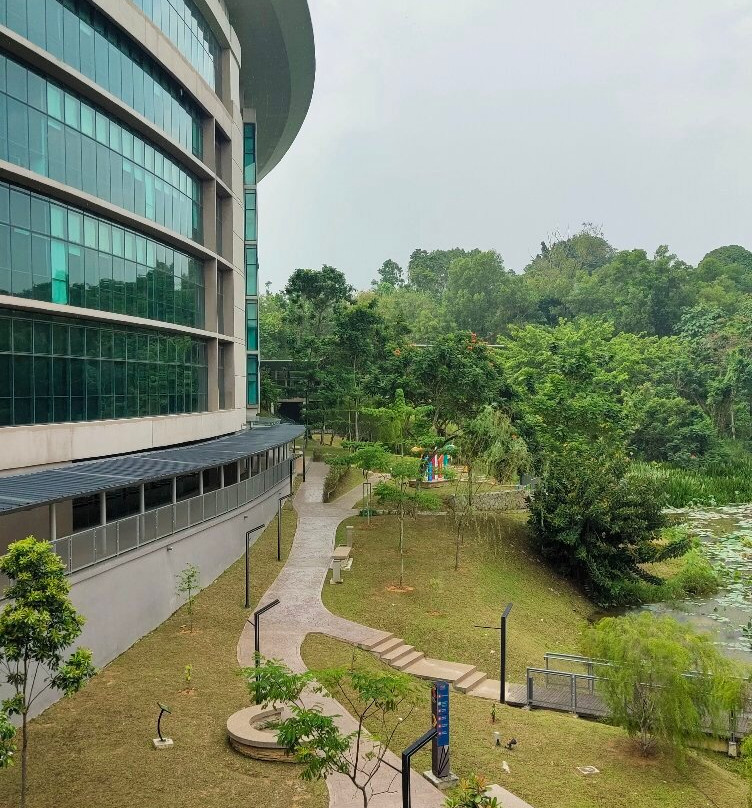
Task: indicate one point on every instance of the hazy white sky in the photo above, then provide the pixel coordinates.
(493, 123)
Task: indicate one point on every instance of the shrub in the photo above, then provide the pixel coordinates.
(598, 524)
(338, 468)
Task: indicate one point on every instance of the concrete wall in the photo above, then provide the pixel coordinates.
(127, 597)
(35, 522)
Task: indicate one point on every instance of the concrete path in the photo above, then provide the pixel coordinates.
(300, 612)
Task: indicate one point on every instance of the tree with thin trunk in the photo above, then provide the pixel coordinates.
(398, 493)
(189, 583)
(383, 700)
(37, 628)
(663, 683)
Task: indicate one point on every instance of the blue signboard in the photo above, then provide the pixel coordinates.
(442, 713)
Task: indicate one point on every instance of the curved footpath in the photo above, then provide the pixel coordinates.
(301, 612)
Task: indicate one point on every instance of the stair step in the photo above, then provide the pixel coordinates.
(469, 682)
(408, 660)
(397, 653)
(471, 671)
(387, 645)
(369, 646)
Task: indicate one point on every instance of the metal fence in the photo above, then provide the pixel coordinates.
(562, 690)
(88, 547)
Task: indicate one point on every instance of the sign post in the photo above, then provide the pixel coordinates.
(440, 774)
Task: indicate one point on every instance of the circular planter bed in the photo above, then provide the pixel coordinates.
(249, 735)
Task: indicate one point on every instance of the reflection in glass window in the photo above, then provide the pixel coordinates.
(52, 252)
(57, 369)
(81, 36)
(74, 143)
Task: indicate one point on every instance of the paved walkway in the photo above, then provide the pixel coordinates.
(300, 612)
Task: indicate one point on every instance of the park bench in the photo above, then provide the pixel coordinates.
(339, 556)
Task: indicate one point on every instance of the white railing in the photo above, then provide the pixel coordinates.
(88, 547)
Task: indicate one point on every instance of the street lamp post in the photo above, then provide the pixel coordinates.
(247, 564)
(257, 638)
(279, 524)
(502, 629)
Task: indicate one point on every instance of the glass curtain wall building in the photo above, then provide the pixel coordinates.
(133, 134)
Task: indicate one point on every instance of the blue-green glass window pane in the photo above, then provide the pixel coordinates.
(92, 263)
(250, 215)
(59, 370)
(252, 380)
(251, 271)
(249, 154)
(251, 320)
(73, 144)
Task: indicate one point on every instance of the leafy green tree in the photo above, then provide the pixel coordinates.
(7, 741)
(663, 683)
(391, 276)
(188, 584)
(399, 422)
(399, 493)
(321, 291)
(371, 457)
(382, 699)
(487, 443)
(457, 375)
(37, 627)
(484, 297)
(597, 524)
(429, 271)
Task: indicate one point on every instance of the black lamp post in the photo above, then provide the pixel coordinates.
(162, 711)
(502, 629)
(247, 564)
(279, 524)
(257, 637)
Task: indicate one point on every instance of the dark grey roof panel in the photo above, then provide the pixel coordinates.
(22, 491)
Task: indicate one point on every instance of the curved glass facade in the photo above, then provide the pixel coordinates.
(60, 254)
(81, 36)
(53, 132)
(56, 370)
(184, 25)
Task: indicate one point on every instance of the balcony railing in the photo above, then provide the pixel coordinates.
(88, 547)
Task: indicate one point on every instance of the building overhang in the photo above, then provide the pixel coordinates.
(278, 67)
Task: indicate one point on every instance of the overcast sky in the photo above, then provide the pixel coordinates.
(495, 123)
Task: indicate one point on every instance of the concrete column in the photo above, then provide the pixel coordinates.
(174, 490)
(201, 482)
(102, 508)
(213, 374)
(221, 476)
(210, 295)
(53, 521)
(141, 498)
(336, 571)
(209, 222)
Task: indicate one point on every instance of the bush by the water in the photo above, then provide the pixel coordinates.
(599, 524)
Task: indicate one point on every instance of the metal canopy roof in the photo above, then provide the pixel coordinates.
(21, 491)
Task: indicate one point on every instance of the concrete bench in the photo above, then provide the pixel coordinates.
(248, 735)
(339, 554)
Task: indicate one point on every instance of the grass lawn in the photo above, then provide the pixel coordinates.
(543, 767)
(94, 749)
(438, 614)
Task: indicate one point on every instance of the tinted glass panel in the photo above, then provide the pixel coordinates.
(77, 144)
(57, 370)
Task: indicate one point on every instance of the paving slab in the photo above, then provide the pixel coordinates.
(506, 798)
(438, 669)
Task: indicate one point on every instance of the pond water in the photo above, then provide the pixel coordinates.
(726, 534)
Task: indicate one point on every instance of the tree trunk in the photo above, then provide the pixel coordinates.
(402, 543)
(24, 757)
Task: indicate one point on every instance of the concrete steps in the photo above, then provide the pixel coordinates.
(466, 683)
(369, 646)
(397, 653)
(385, 646)
(408, 660)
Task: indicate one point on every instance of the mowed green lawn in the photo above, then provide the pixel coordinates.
(439, 613)
(94, 749)
(550, 747)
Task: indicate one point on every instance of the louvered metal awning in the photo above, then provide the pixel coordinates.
(21, 491)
